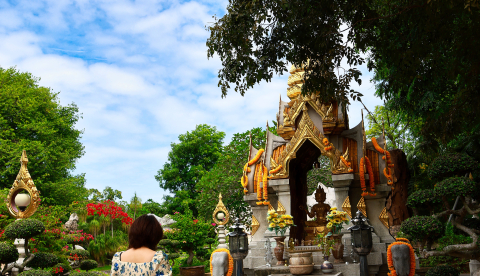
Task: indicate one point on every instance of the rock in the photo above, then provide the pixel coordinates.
(72, 223)
(78, 247)
(401, 259)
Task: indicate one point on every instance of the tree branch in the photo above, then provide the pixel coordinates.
(470, 211)
(458, 249)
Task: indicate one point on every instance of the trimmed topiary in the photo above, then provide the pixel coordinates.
(443, 270)
(43, 260)
(421, 198)
(452, 164)
(81, 254)
(36, 273)
(422, 227)
(8, 253)
(88, 265)
(455, 186)
(60, 269)
(173, 256)
(24, 229)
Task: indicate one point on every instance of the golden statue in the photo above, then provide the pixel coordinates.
(319, 212)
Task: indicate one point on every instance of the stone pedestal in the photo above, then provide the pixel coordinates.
(20, 245)
(221, 237)
(341, 186)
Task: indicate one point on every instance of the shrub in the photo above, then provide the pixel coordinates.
(451, 164)
(443, 270)
(35, 272)
(80, 254)
(8, 253)
(422, 227)
(24, 229)
(455, 186)
(83, 273)
(88, 265)
(43, 260)
(60, 269)
(422, 197)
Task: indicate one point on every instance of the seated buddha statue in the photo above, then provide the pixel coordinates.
(319, 211)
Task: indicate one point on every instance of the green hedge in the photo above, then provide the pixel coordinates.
(36, 273)
(443, 270)
(88, 265)
(43, 260)
(421, 198)
(8, 253)
(452, 164)
(24, 229)
(81, 253)
(83, 273)
(422, 227)
(455, 186)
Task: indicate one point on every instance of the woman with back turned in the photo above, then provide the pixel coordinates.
(141, 257)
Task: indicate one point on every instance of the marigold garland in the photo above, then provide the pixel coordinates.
(348, 164)
(265, 183)
(387, 159)
(257, 156)
(230, 261)
(393, 272)
(325, 141)
(371, 177)
(259, 180)
(276, 170)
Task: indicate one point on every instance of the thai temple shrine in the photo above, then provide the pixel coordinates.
(275, 178)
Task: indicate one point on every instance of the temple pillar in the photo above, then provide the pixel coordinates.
(282, 189)
(341, 186)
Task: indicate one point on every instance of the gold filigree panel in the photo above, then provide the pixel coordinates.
(23, 182)
(255, 225)
(347, 207)
(384, 217)
(362, 206)
(281, 209)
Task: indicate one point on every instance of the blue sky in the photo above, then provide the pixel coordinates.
(139, 73)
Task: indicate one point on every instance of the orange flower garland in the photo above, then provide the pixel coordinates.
(348, 164)
(326, 144)
(388, 174)
(257, 156)
(259, 187)
(265, 185)
(246, 169)
(390, 259)
(230, 261)
(276, 170)
(370, 175)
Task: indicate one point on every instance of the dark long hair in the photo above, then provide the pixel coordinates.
(145, 231)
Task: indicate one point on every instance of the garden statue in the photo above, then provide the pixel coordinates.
(166, 221)
(72, 223)
(268, 252)
(220, 263)
(401, 258)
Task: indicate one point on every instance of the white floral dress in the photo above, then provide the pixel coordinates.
(158, 266)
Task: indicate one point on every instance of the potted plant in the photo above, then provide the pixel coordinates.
(191, 235)
(336, 219)
(279, 224)
(326, 245)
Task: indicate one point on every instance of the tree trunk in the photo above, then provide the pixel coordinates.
(190, 257)
(111, 223)
(397, 199)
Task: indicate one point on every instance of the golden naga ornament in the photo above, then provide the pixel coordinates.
(23, 182)
(220, 214)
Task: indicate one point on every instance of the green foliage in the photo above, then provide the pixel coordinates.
(61, 268)
(88, 265)
(456, 186)
(188, 161)
(225, 176)
(451, 238)
(24, 229)
(104, 246)
(452, 164)
(85, 273)
(422, 227)
(443, 270)
(32, 119)
(36, 272)
(322, 174)
(421, 198)
(8, 253)
(43, 260)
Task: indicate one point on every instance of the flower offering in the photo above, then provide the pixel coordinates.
(336, 219)
(279, 223)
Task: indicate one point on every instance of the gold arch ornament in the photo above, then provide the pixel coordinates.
(220, 208)
(23, 182)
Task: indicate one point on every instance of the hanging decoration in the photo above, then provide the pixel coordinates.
(246, 169)
(365, 162)
(387, 171)
(265, 186)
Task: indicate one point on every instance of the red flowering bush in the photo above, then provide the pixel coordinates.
(111, 210)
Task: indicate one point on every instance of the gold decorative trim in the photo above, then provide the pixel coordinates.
(270, 207)
(255, 225)
(347, 207)
(384, 217)
(281, 209)
(362, 206)
(307, 130)
(23, 182)
(220, 208)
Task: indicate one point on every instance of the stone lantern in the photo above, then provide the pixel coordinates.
(362, 240)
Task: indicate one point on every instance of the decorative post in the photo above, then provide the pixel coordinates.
(22, 202)
(221, 217)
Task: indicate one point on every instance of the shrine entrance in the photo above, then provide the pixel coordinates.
(299, 167)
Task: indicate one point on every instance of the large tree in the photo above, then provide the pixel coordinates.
(194, 155)
(32, 119)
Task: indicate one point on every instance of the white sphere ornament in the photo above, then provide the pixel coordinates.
(22, 200)
(220, 215)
